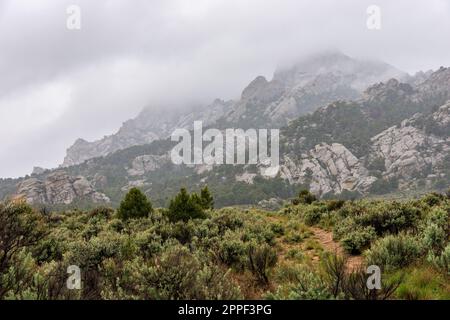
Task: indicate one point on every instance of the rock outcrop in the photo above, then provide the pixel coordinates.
(59, 188)
(327, 168)
(411, 148)
(147, 163)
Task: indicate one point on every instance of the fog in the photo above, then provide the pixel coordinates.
(57, 85)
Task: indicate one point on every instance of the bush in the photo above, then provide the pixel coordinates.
(312, 215)
(389, 217)
(232, 251)
(305, 285)
(333, 205)
(433, 199)
(20, 228)
(185, 207)
(277, 229)
(382, 217)
(434, 238)
(306, 197)
(357, 239)
(260, 259)
(394, 252)
(436, 231)
(135, 205)
(179, 274)
(442, 261)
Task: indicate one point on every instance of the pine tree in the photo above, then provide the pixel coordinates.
(206, 198)
(134, 205)
(184, 207)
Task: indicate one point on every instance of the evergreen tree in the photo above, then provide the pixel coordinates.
(184, 207)
(134, 205)
(206, 198)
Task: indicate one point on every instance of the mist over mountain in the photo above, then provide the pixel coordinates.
(337, 140)
(301, 88)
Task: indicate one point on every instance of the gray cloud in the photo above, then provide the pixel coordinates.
(57, 85)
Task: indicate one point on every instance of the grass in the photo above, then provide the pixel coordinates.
(423, 283)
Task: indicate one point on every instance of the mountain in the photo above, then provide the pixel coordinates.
(148, 126)
(293, 91)
(392, 138)
(306, 86)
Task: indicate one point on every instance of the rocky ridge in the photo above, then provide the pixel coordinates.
(293, 91)
(58, 188)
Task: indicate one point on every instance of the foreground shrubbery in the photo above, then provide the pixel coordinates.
(190, 251)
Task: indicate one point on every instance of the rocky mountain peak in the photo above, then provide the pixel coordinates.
(393, 89)
(254, 88)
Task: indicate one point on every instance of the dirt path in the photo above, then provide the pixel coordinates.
(325, 238)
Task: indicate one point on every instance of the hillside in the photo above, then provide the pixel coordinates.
(395, 137)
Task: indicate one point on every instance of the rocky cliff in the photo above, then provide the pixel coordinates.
(58, 188)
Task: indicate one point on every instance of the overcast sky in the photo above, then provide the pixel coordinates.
(57, 85)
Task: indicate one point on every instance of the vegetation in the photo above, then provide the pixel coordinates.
(185, 206)
(191, 251)
(135, 205)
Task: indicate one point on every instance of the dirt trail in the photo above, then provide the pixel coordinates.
(325, 238)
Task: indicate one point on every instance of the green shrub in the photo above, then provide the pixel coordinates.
(20, 228)
(434, 237)
(394, 252)
(306, 197)
(294, 254)
(260, 259)
(232, 251)
(304, 285)
(433, 199)
(441, 260)
(225, 220)
(357, 239)
(312, 215)
(277, 229)
(103, 212)
(185, 207)
(180, 274)
(334, 205)
(387, 217)
(135, 205)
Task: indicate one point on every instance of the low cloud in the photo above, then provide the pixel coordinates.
(57, 85)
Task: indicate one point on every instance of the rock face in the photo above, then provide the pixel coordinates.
(328, 168)
(58, 188)
(410, 148)
(37, 171)
(147, 163)
(416, 148)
